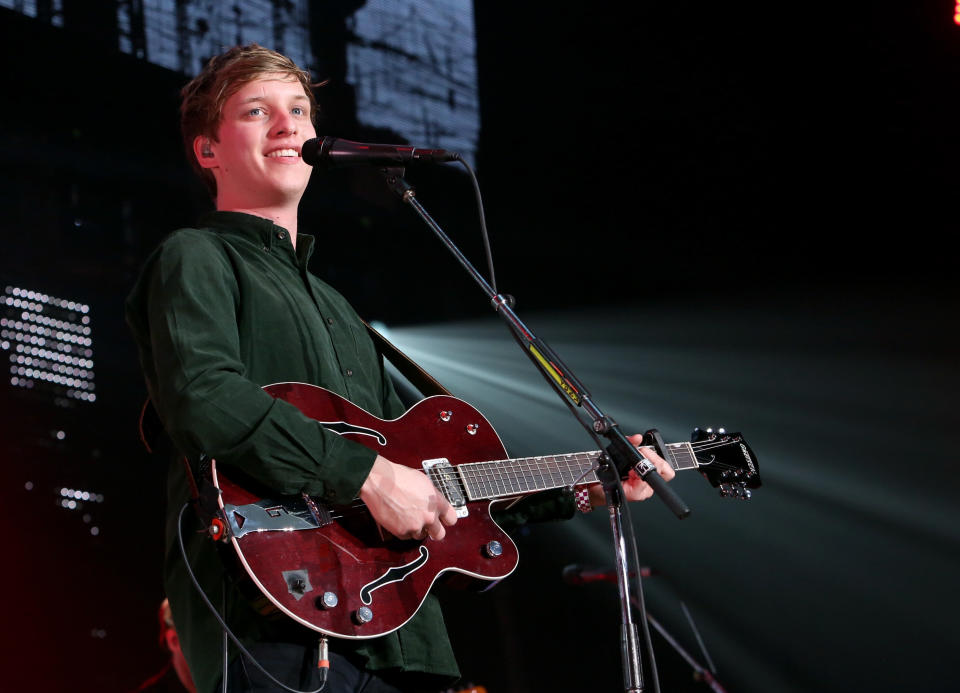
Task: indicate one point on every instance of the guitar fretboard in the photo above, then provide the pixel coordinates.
(526, 474)
(514, 477)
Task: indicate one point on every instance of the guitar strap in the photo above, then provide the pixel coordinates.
(409, 368)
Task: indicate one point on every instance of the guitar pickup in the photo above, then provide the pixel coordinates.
(447, 480)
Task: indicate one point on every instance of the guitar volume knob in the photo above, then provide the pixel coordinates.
(493, 549)
(363, 615)
(328, 601)
(446, 415)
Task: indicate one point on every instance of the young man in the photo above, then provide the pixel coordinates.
(225, 308)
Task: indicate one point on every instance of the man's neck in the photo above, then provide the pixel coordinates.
(281, 216)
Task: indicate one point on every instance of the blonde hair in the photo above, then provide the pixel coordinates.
(202, 100)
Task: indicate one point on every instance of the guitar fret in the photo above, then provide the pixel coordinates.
(523, 474)
(535, 473)
(556, 476)
(539, 470)
(496, 484)
(494, 468)
(474, 484)
(511, 477)
(681, 456)
(502, 478)
(531, 473)
(511, 474)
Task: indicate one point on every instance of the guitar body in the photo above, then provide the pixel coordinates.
(334, 570)
(298, 566)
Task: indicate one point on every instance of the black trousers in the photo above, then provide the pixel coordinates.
(296, 666)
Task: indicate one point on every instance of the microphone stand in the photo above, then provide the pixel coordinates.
(621, 456)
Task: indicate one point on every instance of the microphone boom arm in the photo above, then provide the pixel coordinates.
(621, 454)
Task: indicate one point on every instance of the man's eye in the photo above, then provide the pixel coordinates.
(255, 111)
(297, 110)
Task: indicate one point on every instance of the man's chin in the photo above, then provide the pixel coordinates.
(277, 195)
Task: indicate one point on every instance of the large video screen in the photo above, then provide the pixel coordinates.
(414, 68)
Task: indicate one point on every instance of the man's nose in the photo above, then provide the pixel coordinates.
(284, 125)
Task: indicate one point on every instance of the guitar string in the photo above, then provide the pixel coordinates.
(524, 471)
(511, 472)
(487, 472)
(446, 477)
(449, 476)
(515, 463)
(522, 478)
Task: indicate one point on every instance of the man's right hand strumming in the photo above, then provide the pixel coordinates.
(405, 502)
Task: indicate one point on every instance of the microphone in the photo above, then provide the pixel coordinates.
(579, 575)
(330, 152)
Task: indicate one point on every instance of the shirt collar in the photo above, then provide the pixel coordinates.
(258, 229)
(243, 224)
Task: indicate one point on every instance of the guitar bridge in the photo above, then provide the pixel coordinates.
(447, 480)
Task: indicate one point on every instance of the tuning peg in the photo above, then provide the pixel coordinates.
(721, 431)
(699, 435)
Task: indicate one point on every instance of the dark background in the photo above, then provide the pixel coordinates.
(718, 214)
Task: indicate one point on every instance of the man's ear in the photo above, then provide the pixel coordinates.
(203, 150)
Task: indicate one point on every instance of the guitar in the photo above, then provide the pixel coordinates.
(331, 568)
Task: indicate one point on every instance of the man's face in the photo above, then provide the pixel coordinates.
(256, 158)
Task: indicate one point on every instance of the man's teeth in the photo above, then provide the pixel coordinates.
(283, 152)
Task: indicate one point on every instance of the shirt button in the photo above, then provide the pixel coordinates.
(281, 235)
(329, 321)
(349, 372)
(266, 249)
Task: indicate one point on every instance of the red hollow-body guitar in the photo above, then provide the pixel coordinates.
(333, 570)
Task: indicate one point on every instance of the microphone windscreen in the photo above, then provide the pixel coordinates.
(311, 149)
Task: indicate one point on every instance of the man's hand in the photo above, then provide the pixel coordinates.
(634, 487)
(405, 502)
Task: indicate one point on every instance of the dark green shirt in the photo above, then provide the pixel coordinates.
(217, 313)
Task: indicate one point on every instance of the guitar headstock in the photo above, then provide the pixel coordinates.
(726, 461)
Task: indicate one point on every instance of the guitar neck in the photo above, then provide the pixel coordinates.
(523, 475)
